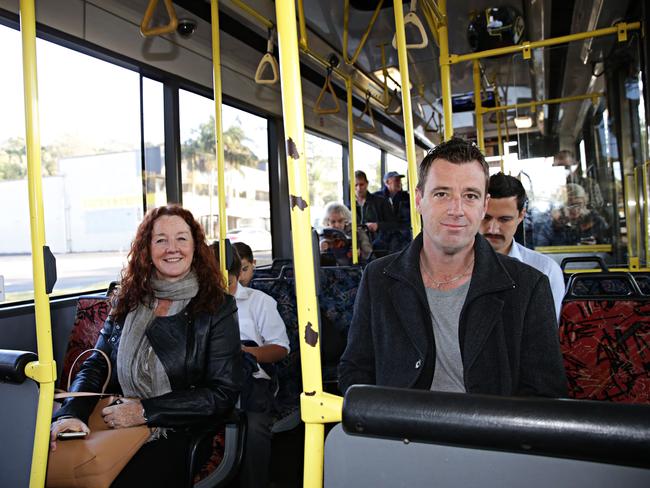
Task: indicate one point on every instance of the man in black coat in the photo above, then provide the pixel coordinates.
(372, 211)
(448, 313)
(396, 235)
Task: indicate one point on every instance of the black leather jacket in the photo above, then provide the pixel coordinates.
(201, 355)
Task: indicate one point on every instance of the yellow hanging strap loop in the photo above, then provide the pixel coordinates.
(367, 111)
(267, 61)
(364, 37)
(148, 31)
(327, 88)
(412, 18)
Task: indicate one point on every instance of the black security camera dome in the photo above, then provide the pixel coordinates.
(186, 27)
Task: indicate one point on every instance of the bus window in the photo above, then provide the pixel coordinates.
(245, 137)
(325, 174)
(154, 142)
(92, 184)
(367, 158)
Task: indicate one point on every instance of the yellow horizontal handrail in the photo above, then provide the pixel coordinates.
(550, 101)
(170, 27)
(619, 28)
(611, 270)
(574, 249)
(304, 47)
(254, 13)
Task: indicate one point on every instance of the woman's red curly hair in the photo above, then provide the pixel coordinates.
(135, 287)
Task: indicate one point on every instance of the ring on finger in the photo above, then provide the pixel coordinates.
(112, 423)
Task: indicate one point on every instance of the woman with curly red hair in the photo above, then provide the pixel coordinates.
(173, 341)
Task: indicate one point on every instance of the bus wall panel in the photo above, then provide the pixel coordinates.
(352, 460)
(17, 424)
(18, 328)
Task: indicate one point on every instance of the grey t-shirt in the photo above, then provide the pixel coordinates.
(445, 309)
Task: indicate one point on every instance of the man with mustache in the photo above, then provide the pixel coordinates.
(505, 212)
(448, 313)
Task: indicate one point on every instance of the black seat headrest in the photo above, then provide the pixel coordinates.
(605, 432)
(12, 365)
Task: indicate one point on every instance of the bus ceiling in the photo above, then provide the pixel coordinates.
(553, 72)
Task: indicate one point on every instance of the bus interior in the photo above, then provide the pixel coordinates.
(135, 104)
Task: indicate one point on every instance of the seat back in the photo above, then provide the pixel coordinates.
(17, 417)
(339, 285)
(92, 312)
(283, 289)
(605, 337)
(400, 437)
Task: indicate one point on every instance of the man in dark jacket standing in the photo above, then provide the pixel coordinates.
(448, 313)
(396, 235)
(372, 211)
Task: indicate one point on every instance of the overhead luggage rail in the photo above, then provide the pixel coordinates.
(594, 431)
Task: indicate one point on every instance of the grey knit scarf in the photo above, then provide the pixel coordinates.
(139, 371)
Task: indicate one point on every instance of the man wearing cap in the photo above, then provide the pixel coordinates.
(397, 234)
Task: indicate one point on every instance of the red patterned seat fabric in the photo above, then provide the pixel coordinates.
(91, 315)
(606, 348)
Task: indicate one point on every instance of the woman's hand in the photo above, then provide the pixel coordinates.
(65, 425)
(127, 413)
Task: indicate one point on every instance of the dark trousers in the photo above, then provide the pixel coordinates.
(257, 401)
(255, 466)
(162, 463)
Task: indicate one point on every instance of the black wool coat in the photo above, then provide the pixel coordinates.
(201, 354)
(507, 331)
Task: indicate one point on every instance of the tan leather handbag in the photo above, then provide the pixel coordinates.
(96, 460)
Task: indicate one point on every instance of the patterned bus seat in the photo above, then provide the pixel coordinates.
(605, 338)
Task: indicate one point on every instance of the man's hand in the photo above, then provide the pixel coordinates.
(372, 226)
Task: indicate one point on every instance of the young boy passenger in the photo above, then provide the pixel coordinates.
(248, 262)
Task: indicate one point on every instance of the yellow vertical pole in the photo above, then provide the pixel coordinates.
(476, 72)
(499, 136)
(500, 142)
(407, 113)
(645, 213)
(43, 370)
(637, 207)
(218, 122)
(628, 184)
(445, 71)
(353, 196)
(294, 131)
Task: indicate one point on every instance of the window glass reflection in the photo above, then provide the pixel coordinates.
(245, 138)
(325, 174)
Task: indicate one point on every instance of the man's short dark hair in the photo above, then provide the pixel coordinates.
(456, 151)
(244, 251)
(504, 186)
(360, 175)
